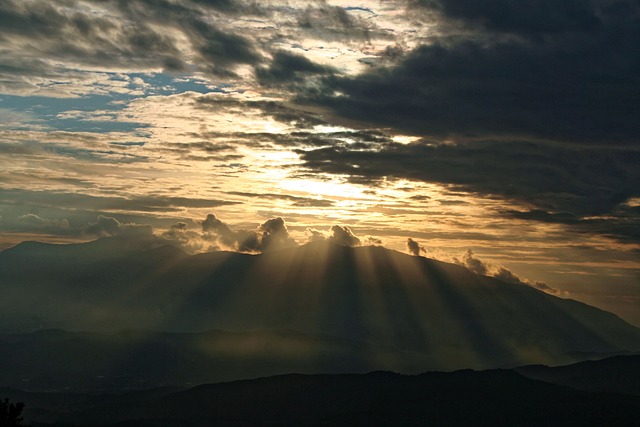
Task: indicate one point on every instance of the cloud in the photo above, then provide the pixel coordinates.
(316, 235)
(152, 35)
(372, 240)
(523, 17)
(564, 90)
(621, 223)
(224, 5)
(544, 216)
(540, 95)
(36, 223)
(562, 183)
(105, 226)
(270, 235)
(294, 200)
(150, 203)
(50, 48)
(39, 222)
(506, 275)
(288, 67)
(179, 234)
(473, 263)
(328, 22)
(414, 247)
(275, 235)
(278, 110)
(86, 36)
(220, 51)
(476, 265)
(342, 235)
(217, 50)
(228, 238)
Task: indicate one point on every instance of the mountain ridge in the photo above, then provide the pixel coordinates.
(451, 316)
(492, 397)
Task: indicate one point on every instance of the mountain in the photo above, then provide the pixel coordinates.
(419, 314)
(493, 397)
(620, 374)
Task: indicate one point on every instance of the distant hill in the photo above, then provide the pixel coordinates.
(491, 398)
(425, 314)
(619, 374)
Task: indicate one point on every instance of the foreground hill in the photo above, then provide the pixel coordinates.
(430, 314)
(495, 397)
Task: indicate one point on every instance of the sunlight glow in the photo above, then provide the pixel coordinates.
(404, 139)
(337, 189)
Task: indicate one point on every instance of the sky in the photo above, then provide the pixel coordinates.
(497, 134)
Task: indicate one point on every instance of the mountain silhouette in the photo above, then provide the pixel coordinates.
(419, 314)
(620, 374)
(492, 398)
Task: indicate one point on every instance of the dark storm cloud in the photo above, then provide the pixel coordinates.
(535, 102)
(579, 82)
(220, 50)
(584, 90)
(573, 179)
(524, 16)
(563, 182)
(414, 247)
(288, 67)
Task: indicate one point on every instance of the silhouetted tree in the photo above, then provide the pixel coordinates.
(10, 413)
